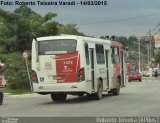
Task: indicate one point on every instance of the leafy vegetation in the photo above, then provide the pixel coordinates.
(15, 70)
(157, 56)
(17, 29)
(17, 91)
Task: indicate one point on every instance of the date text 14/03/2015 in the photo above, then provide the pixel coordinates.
(82, 3)
(97, 3)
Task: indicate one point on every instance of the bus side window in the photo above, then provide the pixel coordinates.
(115, 55)
(86, 53)
(100, 54)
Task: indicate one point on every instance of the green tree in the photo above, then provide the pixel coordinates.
(123, 40)
(69, 29)
(15, 70)
(49, 29)
(157, 56)
(22, 25)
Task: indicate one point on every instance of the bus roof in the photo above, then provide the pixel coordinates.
(116, 44)
(88, 39)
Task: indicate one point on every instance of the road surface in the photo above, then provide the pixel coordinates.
(137, 99)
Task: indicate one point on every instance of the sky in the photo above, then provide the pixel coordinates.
(118, 17)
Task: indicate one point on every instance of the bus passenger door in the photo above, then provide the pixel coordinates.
(123, 82)
(88, 69)
(91, 52)
(107, 67)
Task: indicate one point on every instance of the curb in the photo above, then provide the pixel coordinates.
(19, 95)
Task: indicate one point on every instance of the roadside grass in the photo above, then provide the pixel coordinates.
(16, 91)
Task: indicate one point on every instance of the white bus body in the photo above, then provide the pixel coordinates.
(71, 64)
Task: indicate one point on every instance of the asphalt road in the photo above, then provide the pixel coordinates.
(137, 99)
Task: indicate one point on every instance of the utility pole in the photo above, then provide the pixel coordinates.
(139, 48)
(150, 53)
(142, 62)
(150, 47)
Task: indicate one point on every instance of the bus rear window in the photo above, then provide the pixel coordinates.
(60, 46)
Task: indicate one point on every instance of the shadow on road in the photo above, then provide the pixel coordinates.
(79, 99)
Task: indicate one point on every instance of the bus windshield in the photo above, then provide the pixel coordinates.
(58, 46)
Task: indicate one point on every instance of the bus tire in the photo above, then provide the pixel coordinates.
(80, 94)
(59, 97)
(98, 94)
(1, 98)
(116, 91)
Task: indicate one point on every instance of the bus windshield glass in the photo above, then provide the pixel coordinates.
(59, 46)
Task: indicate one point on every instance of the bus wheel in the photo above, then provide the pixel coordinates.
(116, 91)
(98, 95)
(58, 97)
(1, 98)
(80, 94)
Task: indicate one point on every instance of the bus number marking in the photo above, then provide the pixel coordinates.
(67, 67)
(68, 62)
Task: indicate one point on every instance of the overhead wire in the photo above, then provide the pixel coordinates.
(118, 20)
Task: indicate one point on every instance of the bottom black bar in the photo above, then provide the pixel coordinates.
(79, 119)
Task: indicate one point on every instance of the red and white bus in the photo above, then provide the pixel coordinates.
(119, 64)
(78, 65)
